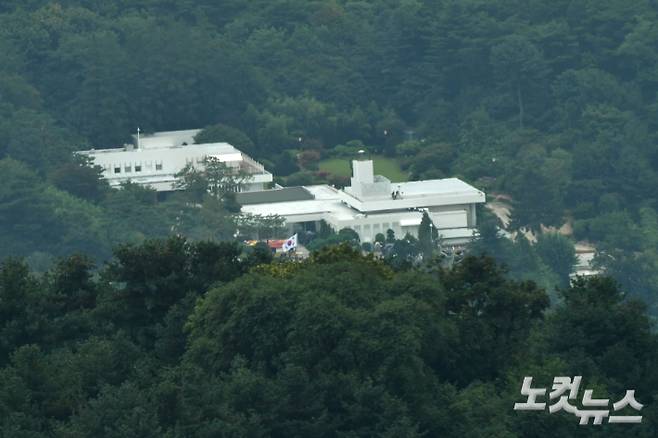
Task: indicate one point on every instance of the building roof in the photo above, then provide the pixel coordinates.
(158, 166)
(173, 159)
(417, 194)
(298, 208)
(285, 194)
(344, 206)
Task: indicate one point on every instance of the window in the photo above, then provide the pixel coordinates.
(128, 168)
(158, 166)
(117, 170)
(138, 167)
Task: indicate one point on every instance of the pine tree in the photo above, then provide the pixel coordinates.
(426, 234)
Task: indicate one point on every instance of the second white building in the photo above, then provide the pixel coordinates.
(373, 205)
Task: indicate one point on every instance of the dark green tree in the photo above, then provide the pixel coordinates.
(426, 236)
(226, 134)
(559, 253)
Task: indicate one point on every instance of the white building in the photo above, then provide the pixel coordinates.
(585, 266)
(154, 160)
(372, 205)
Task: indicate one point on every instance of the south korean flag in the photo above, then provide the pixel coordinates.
(290, 243)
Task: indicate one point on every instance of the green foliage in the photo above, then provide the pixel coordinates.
(536, 185)
(383, 166)
(517, 62)
(493, 311)
(226, 134)
(522, 259)
(28, 217)
(176, 338)
(558, 253)
(328, 237)
(553, 103)
(214, 178)
(35, 139)
(427, 236)
(81, 179)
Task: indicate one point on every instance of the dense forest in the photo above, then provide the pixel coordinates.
(123, 314)
(551, 103)
(182, 339)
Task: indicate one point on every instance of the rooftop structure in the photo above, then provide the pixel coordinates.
(165, 139)
(154, 160)
(372, 205)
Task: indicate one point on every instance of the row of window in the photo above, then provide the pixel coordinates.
(137, 168)
(130, 168)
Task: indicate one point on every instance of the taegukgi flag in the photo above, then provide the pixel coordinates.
(290, 243)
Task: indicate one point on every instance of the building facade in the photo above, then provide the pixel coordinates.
(372, 204)
(154, 160)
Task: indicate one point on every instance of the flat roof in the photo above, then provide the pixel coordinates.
(433, 187)
(207, 148)
(286, 194)
(324, 198)
(417, 194)
(296, 208)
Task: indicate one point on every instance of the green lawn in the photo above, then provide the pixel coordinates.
(383, 166)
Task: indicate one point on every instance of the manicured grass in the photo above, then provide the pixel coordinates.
(383, 166)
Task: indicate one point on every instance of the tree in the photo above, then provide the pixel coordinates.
(18, 292)
(493, 313)
(260, 254)
(35, 139)
(150, 280)
(132, 214)
(536, 188)
(426, 236)
(226, 134)
(123, 411)
(27, 217)
(558, 253)
(517, 62)
(261, 227)
(358, 323)
(285, 164)
(80, 178)
(404, 253)
(215, 178)
(599, 331)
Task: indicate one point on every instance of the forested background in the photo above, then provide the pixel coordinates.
(552, 103)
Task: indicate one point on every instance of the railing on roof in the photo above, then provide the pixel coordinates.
(253, 163)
